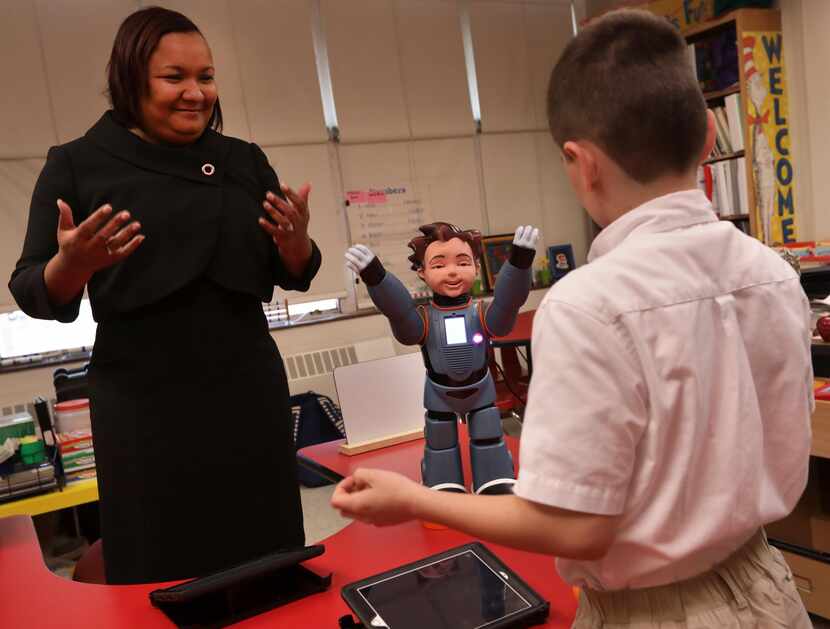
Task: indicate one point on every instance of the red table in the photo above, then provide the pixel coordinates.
(35, 598)
(521, 332)
(32, 596)
(405, 458)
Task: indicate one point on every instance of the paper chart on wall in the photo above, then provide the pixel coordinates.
(385, 219)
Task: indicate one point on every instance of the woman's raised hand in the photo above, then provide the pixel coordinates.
(288, 226)
(99, 241)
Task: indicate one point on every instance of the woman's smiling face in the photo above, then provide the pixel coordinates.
(181, 91)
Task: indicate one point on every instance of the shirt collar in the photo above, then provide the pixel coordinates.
(202, 161)
(676, 210)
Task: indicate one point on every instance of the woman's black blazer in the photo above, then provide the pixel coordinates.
(198, 206)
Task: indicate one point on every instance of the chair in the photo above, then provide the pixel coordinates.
(71, 384)
(511, 385)
(90, 567)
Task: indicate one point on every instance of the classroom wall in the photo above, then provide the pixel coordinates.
(805, 24)
(401, 91)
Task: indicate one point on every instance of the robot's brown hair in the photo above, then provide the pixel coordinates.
(440, 231)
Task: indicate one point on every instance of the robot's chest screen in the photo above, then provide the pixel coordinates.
(456, 330)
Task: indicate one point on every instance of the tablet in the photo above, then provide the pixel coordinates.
(467, 587)
(245, 590)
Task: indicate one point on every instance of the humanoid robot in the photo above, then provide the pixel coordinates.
(453, 331)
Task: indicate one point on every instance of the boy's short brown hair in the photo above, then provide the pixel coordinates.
(626, 84)
(440, 231)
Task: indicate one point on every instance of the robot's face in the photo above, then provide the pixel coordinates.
(449, 267)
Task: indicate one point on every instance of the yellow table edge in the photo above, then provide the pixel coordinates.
(76, 493)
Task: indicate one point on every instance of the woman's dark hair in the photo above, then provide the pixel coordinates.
(440, 231)
(128, 67)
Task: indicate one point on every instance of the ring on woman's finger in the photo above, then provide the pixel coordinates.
(109, 250)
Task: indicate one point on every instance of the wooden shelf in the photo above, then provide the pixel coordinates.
(709, 25)
(735, 217)
(821, 430)
(723, 158)
(732, 89)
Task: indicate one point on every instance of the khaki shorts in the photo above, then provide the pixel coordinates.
(752, 588)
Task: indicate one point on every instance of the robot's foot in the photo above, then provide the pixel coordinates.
(451, 487)
(497, 487)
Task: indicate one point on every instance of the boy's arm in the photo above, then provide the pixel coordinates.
(384, 498)
(388, 294)
(513, 284)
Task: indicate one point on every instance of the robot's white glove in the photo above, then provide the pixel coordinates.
(526, 236)
(358, 258)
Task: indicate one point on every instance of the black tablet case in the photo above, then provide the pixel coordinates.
(248, 589)
(537, 612)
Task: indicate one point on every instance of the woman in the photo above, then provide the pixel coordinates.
(179, 234)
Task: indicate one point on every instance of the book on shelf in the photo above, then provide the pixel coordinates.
(735, 121)
(722, 125)
(743, 197)
(715, 60)
(810, 253)
(724, 190)
(729, 137)
(724, 184)
(690, 53)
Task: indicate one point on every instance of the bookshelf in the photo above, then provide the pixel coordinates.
(735, 155)
(739, 61)
(734, 89)
(736, 217)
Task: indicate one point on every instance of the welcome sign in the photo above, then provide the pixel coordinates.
(767, 117)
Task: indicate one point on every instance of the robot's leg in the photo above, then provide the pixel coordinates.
(489, 457)
(441, 465)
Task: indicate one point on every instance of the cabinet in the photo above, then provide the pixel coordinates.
(804, 535)
(747, 45)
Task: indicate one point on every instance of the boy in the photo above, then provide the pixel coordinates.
(668, 416)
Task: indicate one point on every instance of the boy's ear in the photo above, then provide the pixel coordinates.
(711, 134)
(420, 273)
(581, 158)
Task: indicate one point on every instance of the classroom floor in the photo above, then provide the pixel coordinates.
(320, 519)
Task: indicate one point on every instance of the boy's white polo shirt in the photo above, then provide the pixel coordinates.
(672, 384)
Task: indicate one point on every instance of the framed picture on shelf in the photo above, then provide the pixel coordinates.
(495, 252)
(479, 286)
(561, 260)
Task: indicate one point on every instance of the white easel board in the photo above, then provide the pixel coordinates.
(382, 401)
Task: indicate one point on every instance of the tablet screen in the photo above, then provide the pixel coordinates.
(458, 592)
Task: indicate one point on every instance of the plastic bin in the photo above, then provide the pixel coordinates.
(17, 426)
(72, 416)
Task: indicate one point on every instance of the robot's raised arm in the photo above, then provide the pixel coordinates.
(513, 283)
(388, 294)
